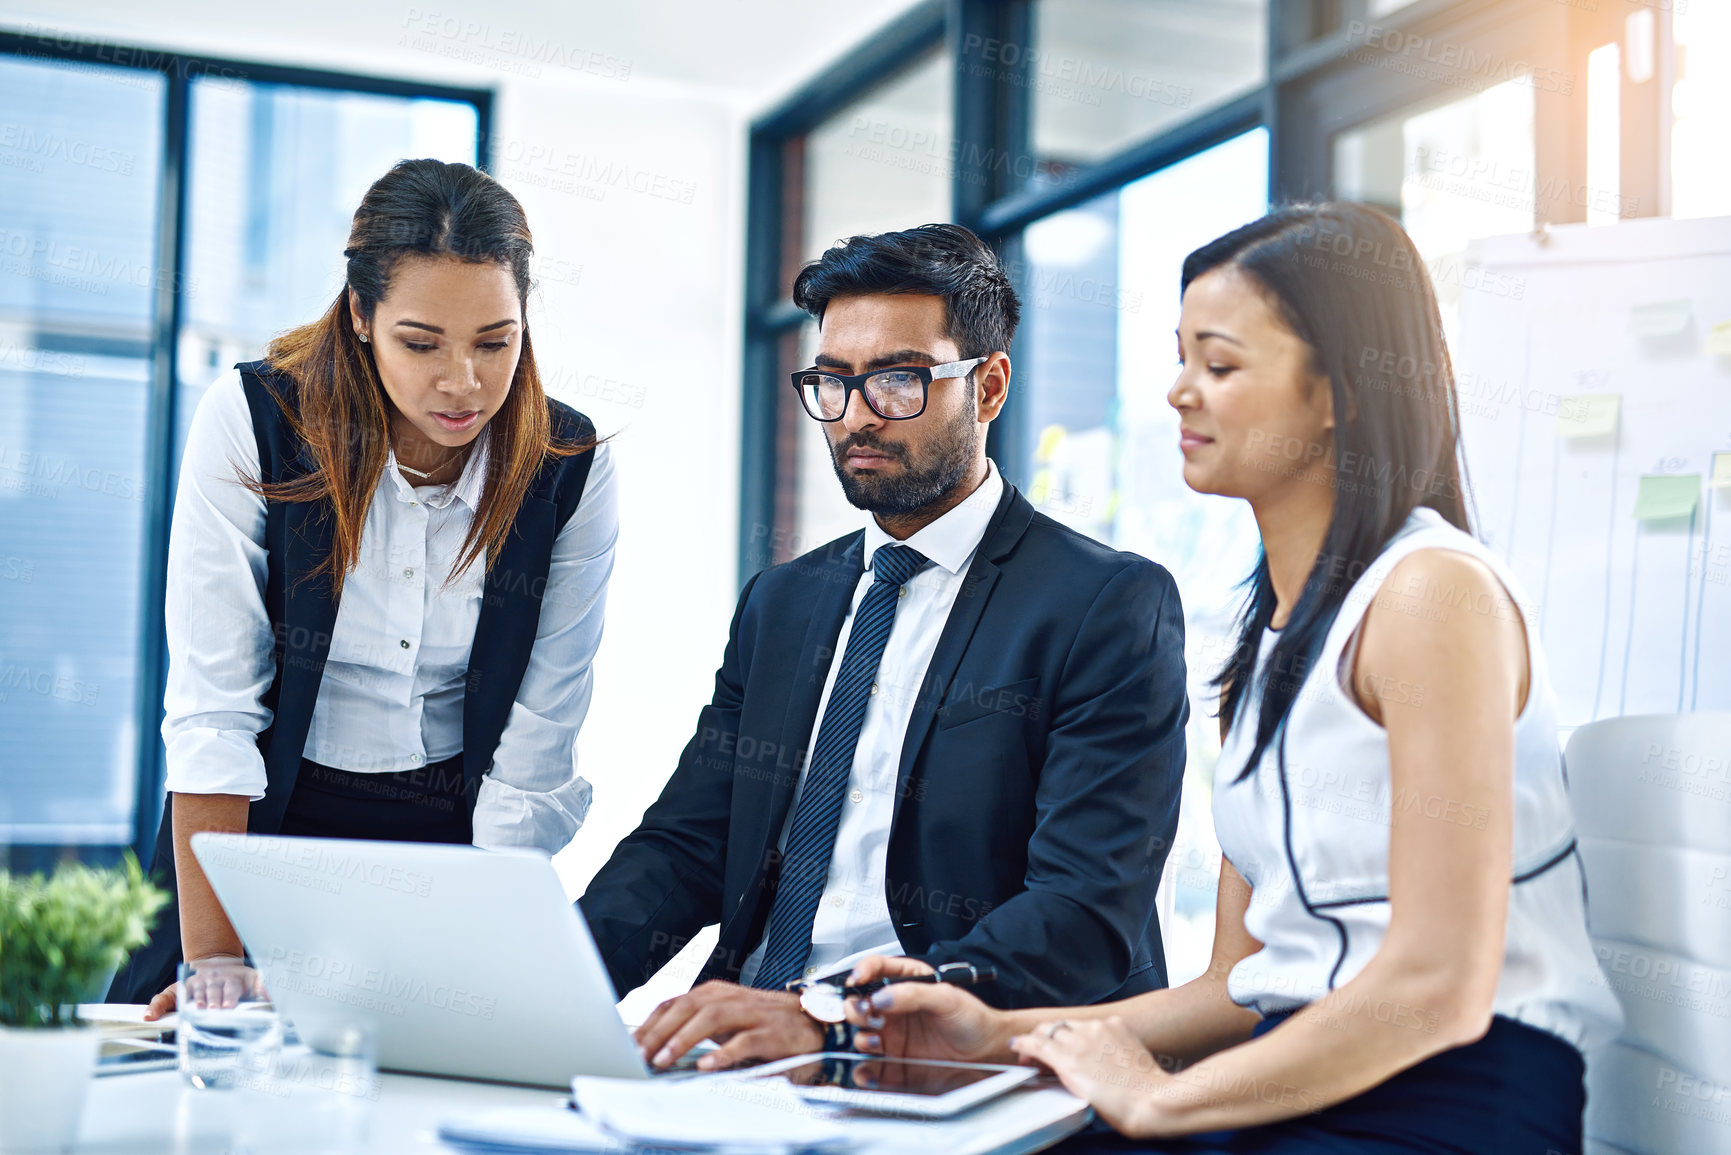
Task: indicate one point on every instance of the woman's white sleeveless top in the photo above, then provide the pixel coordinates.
(1309, 828)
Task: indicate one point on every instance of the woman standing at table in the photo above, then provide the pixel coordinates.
(1401, 960)
(387, 567)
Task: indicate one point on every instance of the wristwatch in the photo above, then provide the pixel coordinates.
(826, 1005)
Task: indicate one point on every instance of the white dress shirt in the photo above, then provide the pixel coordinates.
(392, 694)
(853, 917)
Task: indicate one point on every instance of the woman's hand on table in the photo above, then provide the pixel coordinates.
(1102, 1061)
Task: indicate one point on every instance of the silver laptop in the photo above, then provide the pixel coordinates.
(470, 962)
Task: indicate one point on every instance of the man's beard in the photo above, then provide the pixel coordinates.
(922, 481)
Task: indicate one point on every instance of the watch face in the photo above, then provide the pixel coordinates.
(824, 1002)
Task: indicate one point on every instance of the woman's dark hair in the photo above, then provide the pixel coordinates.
(420, 208)
(1350, 283)
(948, 261)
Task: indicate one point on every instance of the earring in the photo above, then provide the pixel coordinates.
(362, 336)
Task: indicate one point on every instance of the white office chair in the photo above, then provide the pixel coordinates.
(1652, 800)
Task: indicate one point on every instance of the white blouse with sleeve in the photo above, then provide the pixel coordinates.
(392, 694)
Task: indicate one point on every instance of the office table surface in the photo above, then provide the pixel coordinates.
(158, 1112)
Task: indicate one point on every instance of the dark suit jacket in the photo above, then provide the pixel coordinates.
(1038, 787)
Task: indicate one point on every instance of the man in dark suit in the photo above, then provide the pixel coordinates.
(957, 735)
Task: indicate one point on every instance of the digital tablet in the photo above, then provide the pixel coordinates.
(926, 1088)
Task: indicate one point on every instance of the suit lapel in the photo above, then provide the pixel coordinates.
(1002, 534)
(837, 574)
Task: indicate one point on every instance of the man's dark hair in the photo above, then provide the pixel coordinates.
(948, 261)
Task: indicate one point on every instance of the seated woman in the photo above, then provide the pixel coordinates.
(1400, 960)
(387, 569)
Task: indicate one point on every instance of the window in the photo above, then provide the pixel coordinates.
(882, 163)
(1106, 74)
(1461, 170)
(117, 309)
(80, 156)
(1701, 104)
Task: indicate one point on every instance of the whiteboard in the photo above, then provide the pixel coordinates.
(1594, 374)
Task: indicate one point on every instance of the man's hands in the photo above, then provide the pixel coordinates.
(751, 1026)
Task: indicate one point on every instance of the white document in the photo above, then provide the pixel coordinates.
(527, 1129)
(122, 1020)
(734, 1115)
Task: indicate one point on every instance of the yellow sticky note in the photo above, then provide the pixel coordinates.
(1588, 415)
(1664, 497)
(1719, 340)
(1720, 478)
(1659, 319)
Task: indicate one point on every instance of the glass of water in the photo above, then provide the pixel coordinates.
(227, 1032)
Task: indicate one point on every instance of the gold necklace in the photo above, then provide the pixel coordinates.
(427, 474)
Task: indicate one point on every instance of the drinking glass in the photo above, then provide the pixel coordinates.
(228, 1034)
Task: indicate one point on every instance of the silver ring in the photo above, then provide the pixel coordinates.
(1060, 1025)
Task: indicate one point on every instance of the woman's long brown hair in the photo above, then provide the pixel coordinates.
(421, 208)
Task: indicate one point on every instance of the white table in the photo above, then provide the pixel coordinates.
(143, 1114)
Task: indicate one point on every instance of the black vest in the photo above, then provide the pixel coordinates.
(303, 613)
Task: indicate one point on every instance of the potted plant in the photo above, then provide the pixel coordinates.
(58, 936)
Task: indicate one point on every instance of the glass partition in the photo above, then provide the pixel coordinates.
(79, 170)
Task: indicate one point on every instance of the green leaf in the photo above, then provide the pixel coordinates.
(60, 934)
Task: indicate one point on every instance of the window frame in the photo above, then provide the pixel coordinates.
(1317, 84)
(47, 45)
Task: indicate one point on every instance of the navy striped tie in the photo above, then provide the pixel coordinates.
(811, 839)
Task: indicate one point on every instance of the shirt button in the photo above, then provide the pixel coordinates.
(858, 795)
(810, 972)
(415, 758)
(902, 593)
(408, 573)
(874, 688)
(404, 643)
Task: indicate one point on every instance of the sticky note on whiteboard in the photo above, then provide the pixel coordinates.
(1663, 497)
(1660, 319)
(1720, 478)
(1588, 415)
(1719, 340)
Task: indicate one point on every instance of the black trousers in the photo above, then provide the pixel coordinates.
(1517, 1091)
(429, 804)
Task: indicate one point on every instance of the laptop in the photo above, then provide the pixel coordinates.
(470, 962)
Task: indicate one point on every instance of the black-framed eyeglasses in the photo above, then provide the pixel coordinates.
(893, 394)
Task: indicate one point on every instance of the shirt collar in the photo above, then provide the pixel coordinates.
(951, 540)
(468, 488)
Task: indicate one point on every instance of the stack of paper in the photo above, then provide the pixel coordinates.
(125, 1020)
(521, 1130)
(731, 1116)
(708, 1114)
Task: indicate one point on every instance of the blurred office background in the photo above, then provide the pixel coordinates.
(176, 182)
